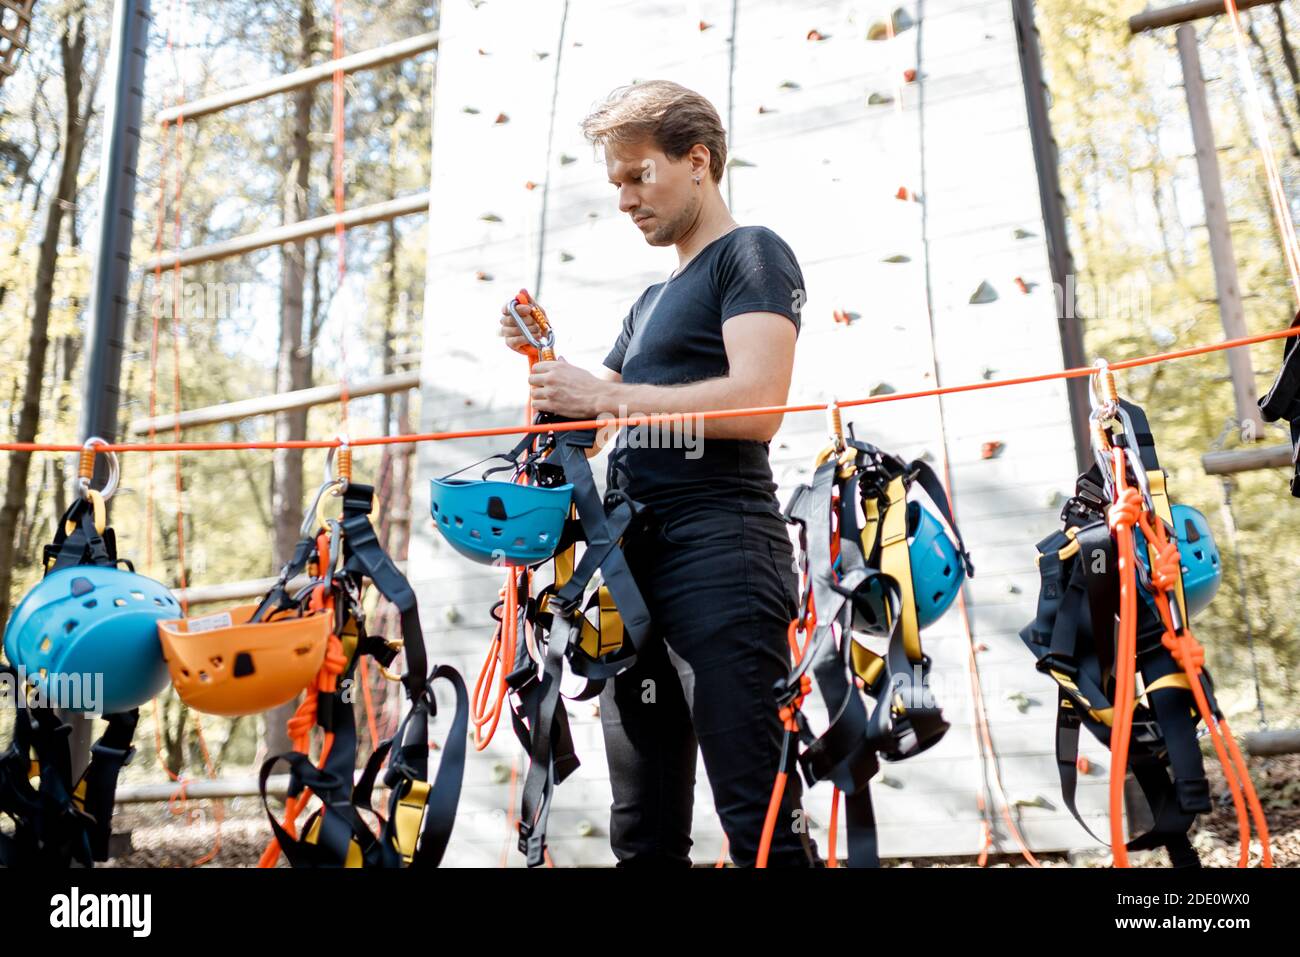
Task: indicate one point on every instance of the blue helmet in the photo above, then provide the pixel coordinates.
(92, 620)
(1199, 556)
(937, 571)
(500, 523)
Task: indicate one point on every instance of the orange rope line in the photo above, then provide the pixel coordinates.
(658, 418)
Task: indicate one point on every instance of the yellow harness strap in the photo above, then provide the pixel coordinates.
(599, 639)
(896, 563)
(408, 819)
(354, 849)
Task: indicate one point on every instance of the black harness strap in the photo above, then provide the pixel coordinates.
(1282, 400)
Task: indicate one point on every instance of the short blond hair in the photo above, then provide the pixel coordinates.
(666, 113)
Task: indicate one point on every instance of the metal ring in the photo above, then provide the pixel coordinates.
(114, 471)
(547, 342)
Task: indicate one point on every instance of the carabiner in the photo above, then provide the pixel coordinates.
(87, 469)
(310, 518)
(548, 334)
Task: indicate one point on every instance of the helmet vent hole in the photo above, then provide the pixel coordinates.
(45, 644)
(69, 625)
(460, 522)
(496, 531)
(185, 672)
(947, 570)
(1189, 531)
(302, 650)
(938, 597)
(90, 603)
(1200, 555)
(217, 662)
(475, 533)
(203, 676)
(243, 664)
(119, 602)
(496, 508)
(158, 601)
(138, 595)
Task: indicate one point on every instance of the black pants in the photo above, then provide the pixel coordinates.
(721, 588)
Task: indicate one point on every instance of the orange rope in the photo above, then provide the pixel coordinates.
(1122, 516)
(1190, 656)
(656, 418)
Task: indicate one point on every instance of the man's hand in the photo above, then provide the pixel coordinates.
(510, 329)
(566, 390)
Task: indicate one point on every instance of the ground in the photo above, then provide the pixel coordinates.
(160, 838)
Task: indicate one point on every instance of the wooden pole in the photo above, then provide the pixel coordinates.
(1216, 223)
(364, 60)
(272, 404)
(1247, 460)
(293, 232)
(1185, 13)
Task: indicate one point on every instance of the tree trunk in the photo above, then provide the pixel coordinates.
(72, 49)
(293, 368)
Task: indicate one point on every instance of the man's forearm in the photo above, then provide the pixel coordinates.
(622, 398)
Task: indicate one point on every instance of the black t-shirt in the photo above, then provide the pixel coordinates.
(672, 336)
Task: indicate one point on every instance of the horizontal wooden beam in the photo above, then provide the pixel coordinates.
(277, 785)
(1285, 741)
(1185, 13)
(292, 232)
(308, 76)
(249, 588)
(272, 404)
(1247, 460)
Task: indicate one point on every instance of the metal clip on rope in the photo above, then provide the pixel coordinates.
(545, 346)
(86, 469)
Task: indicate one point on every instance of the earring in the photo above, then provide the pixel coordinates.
(697, 181)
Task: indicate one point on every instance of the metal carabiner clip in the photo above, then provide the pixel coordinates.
(548, 336)
(88, 464)
(310, 517)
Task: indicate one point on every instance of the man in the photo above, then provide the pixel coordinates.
(716, 566)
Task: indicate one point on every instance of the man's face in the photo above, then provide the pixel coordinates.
(659, 194)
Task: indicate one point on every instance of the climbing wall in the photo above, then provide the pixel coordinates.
(900, 170)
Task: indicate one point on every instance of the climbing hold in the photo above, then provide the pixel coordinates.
(909, 76)
(501, 120)
(1083, 764)
(991, 450)
(586, 828)
(1022, 285)
(981, 647)
(1024, 234)
(592, 214)
(565, 257)
(452, 615)
(1021, 700)
(736, 163)
(984, 294)
(845, 317)
(880, 30)
(1036, 801)
(882, 388)
(764, 109)
(789, 85)
(541, 54)
(817, 35)
(897, 258)
(1013, 589)
(530, 185)
(705, 26)
(490, 218)
(471, 110)
(879, 99)
(500, 773)
(482, 276)
(988, 373)
(482, 52)
(566, 159)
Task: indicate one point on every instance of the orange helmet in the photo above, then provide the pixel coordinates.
(230, 666)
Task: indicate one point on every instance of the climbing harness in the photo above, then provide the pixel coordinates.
(250, 659)
(1094, 638)
(581, 629)
(1283, 400)
(84, 639)
(888, 574)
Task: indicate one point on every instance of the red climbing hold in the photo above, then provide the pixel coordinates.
(1083, 764)
(909, 76)
(991, 450)
(704, 26)
(902, 193)
(816, 35)
(530, 185)
(501, 119)
(1020, 284)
